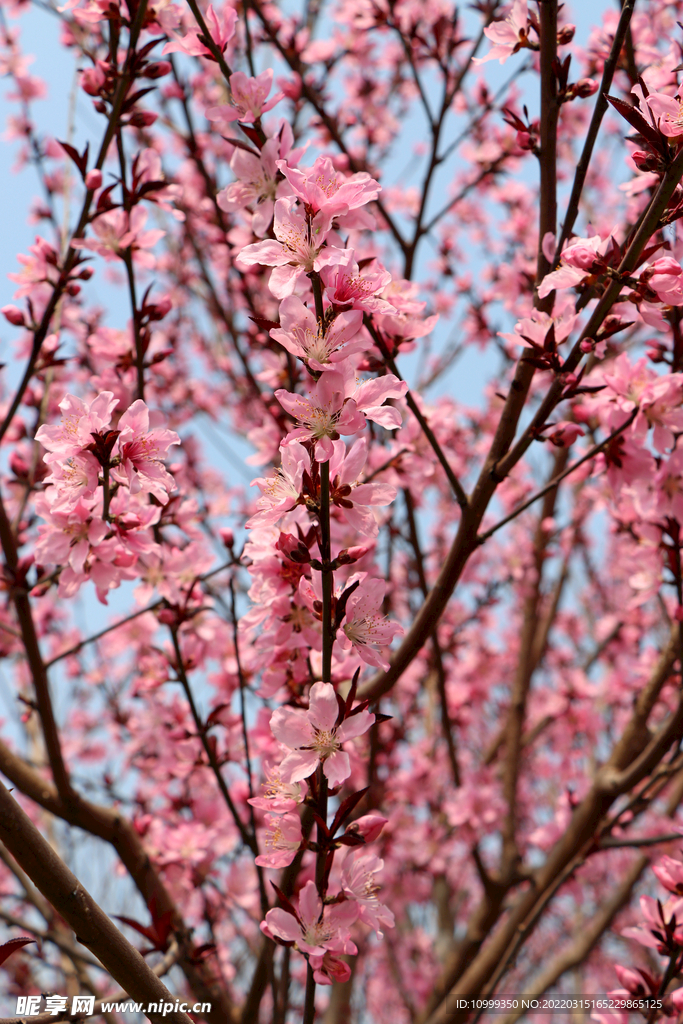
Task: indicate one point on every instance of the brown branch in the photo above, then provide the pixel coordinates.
(41, 331)
(527, 662)
(89, 922)
(116, 997)
(34, 658)
(458, 489)
(502, 458)
(628, 764)
(622, 33)
(111, 826)
(595, 450)
(635, 842)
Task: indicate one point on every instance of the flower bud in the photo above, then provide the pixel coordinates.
(158, 70)
(565, 34)
(368, 826)
(227, 536)
(585, 87)
(14, 315)
(142, 119)
(93, 179)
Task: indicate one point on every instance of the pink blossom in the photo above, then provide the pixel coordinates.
(336, 405)
(280, 796)
(564, 433)
(315, 737)
(315, 929)
(118, 231)
(283, 839)
(248, 98)
(67, 534)
(507, 36)
(282, 492)
(665, 278)
(668, 486)
(79, 421)
(318, 343)
(328, 968)
(221, 34)
(670, 874)
(355, 500)
(40, 266)
(668, 113)
(298, 246)
(631, 980)
(324, 190)
(72, 478)
(369, 826)
(535, 328)
(257, 186)
(654, 920)
(14, 315)
(580, 259)
(658, 399)
(358, 882)
(92, 79)
(347, 285)
(363, 628)
(142, 453)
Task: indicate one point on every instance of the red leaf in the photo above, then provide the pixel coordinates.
(637, 121)
(12, 945)
(346, 807)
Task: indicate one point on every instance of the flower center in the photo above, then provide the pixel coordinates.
(362, 631)
(325, 743)
(318, 933)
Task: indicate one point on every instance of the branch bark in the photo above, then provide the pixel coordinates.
(90, 924)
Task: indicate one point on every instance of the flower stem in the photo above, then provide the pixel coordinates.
(328, 581)
(318, 297)
(322, 853)
(309, 1004)
(106, 493)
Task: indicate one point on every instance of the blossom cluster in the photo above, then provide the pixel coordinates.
(245, 722)
(98, 517)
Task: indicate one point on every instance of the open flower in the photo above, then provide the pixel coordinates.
(354, 500)
(657, 917)
(318, 344)
(508, 36)
(358, 882)
(249, 97)
(77, 425)
(283, 839)
(257, 187)
(337, 404)
(117, 231)
(314, 737)
(281, 493)
(668, 111)
(142, 453)
(364, 628)
(347, 285)
(324, 190)
(309, 931)
(221, 30)
(670, 874)
(280, 797)
(580, 259)
(298, 246)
